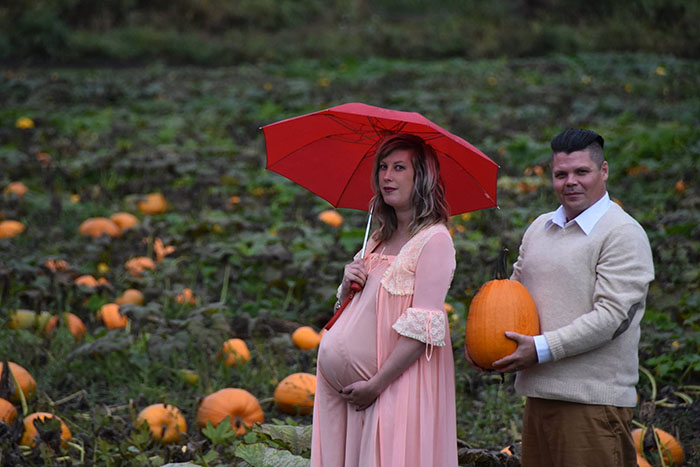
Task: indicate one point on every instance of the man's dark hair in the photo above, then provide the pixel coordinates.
(577, 139)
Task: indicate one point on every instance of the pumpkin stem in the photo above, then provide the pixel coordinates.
(502, 266)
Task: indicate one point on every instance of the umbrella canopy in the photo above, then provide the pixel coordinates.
(331, 153)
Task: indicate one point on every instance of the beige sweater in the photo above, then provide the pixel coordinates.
(590, 293)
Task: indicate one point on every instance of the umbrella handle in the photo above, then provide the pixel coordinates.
(354, 287)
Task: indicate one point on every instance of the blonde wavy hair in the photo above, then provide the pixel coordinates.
(429, 204)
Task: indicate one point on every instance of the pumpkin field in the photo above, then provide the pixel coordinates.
(148, 261)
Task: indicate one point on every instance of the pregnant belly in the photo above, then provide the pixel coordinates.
(344, 358)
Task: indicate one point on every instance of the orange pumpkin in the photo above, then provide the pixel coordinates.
(96, 227)
(30, 431)
(672, 450)
(331, 217)
(130, 297)
(75, 325)
(7, 412)
(136, 266)
(110, 316)
(235, 351)
(186, 297)
(642, 462)
(24, 379)
(86, 281)
(499, 306)
(242, 408)
(295, 394)
(153, 203)
(10, 228)
(16, 188)
(165, 422)
(124, 220)
(306, 338)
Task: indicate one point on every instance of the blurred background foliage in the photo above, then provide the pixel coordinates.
(225, 32)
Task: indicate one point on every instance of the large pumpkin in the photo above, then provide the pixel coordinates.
(242, 408)
(30, 431)
(10, 228)
(671, 448)
(165, 422)
(499, 306)
(25, 380)
(7, 412)
(295, 393)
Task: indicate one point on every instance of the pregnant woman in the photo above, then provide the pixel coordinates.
(385, 392)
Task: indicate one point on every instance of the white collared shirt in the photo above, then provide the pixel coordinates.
(586, 220)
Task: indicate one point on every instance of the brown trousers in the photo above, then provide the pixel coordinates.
(568, 434)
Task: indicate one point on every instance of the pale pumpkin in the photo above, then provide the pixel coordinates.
(499, 306)
(124, 220)
(672, 450)
(242, 408)
(30, 431)
(306, 338)
(110, 316)
(10, 228)
(98, 226)
(24, 379)
(234, 351)
(75, 325)
(152, 204)
(165, 422)
(130, 297)
(295, 394)
(8, 413)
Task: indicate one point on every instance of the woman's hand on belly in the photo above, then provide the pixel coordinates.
(361, 394)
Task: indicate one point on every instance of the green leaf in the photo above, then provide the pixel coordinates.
(221, 433)
(261, 455)
(296, 439)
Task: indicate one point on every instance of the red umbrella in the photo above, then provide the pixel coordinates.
(331, 152)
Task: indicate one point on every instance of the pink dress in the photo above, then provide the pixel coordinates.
(413, 421)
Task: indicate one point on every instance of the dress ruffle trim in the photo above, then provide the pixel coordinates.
(427, 326)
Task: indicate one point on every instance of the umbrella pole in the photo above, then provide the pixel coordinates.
(369, 223)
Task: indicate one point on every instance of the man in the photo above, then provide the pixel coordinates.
(588, 266)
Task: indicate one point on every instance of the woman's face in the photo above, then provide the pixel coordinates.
(396, 179)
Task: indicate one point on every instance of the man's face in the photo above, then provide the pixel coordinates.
(578, 181)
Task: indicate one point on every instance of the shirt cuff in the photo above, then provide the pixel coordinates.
(427, 326)
(543, 353)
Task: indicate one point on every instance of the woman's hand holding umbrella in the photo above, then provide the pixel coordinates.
(354, 279)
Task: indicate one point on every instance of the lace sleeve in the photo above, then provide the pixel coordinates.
(427, 326)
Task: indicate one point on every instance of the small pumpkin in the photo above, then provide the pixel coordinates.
(295, 394)
(130, 297)
(242, 408)
(152, 204)
(96, 227)
(186, 297)
(331, 217)
(24, 379)
(16, 188)
(30, 431)
(672, 450)
(110, 316)
(75, 325)
(22, 319)
(86, 280)
(306, 338)
(8, 413)
(165, 422)
(499, 306)
(234, 351)
(138, 265)
(10, 228)
(124, 220)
